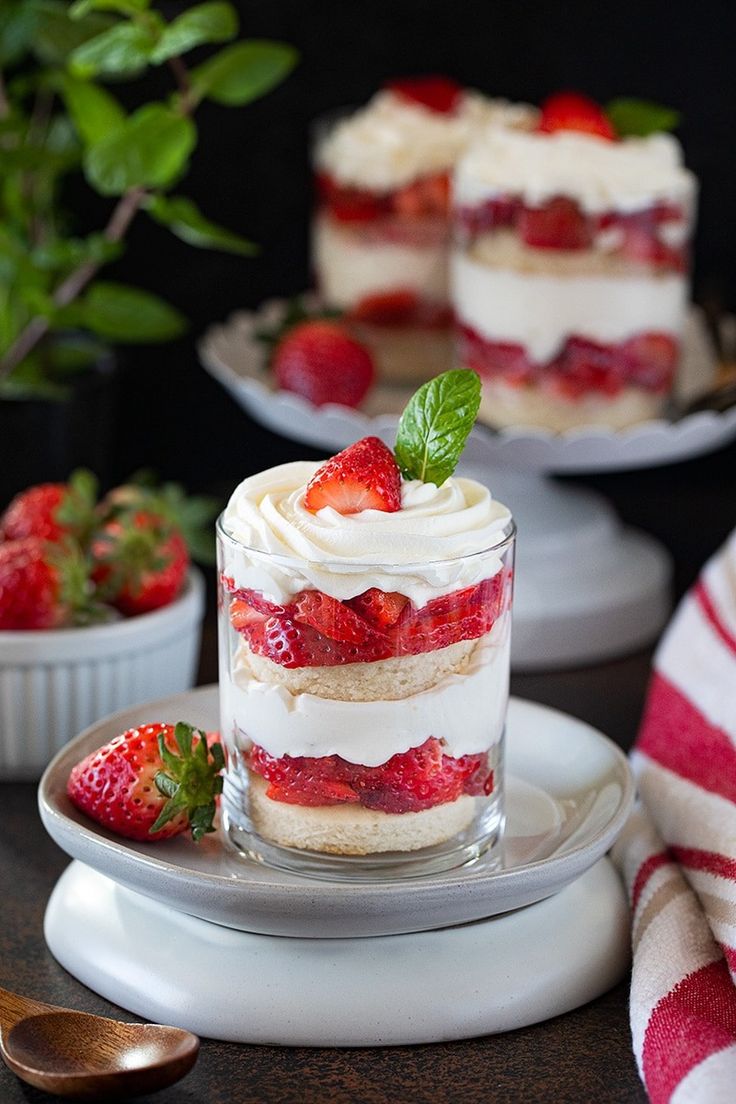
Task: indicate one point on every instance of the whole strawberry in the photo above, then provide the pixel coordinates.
(43, 585)
(141, 562)
(151, 783)
(53, 510)
(320, 361)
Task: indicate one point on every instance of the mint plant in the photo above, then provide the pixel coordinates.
(57, 117)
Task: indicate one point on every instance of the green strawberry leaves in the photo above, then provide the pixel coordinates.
(436, 424)
(191, 780)
(632, 118)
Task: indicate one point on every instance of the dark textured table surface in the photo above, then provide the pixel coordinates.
(580, 1057)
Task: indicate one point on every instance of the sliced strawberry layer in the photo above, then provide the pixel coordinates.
(401, 307)
(561, 224)
(316, 630)
(572, 111)
(427, 197)
(581, 367)
(417, 779)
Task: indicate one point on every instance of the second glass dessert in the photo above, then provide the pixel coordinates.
(571, 269)
(382, 228)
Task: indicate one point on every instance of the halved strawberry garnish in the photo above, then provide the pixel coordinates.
(572, 111)
(364, 476)
(439, 94)
(558, 224)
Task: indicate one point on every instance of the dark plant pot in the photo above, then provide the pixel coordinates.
(43, 440)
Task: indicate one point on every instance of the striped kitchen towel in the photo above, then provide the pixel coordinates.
(678, 853)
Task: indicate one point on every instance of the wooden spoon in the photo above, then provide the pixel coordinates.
(90, 1057)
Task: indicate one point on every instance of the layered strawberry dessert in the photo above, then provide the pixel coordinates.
(570, 269)
(381, 233)
(365, 656)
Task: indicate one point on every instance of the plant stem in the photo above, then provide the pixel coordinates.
(120, 219)
(4, 105)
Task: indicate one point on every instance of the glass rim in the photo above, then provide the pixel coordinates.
(507, 539)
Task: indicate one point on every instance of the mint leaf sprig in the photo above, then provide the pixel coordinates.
(435, 426)
(633, 118)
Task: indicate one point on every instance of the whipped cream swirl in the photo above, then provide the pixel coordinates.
(442, 539)
(391, 142)
(629, 175)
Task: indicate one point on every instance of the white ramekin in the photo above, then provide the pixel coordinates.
(55, 683)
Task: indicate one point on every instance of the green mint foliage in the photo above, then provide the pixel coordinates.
(121, 51)
(243, 72)
(125, 314)
(96, 113)
(632, 118)
(57, 118)
(201, 25)
(435, 425)
(82, 8)
(149, 150)
(186, 221)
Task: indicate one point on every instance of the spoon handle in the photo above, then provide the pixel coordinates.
(13, 1007)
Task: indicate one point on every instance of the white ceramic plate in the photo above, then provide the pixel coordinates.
(231, 354)
(568, 795)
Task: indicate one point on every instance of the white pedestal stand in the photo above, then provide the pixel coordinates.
(588, 589)
(474, 979)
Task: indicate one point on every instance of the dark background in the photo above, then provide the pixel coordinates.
(251, 172)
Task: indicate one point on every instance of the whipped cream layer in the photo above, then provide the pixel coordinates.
(442, 539)
(351, 267)
(628, 175)
(466, 711)
(391, 142)
(541, 311)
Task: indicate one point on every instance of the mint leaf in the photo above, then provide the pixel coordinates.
(121, 313)
(150, 149)
(435, 425)
(95, 113)
(186, 221)
(633, 118)
(244, 71)
(215, 21)
(122, 51)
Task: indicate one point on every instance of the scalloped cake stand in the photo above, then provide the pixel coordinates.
(588, 588)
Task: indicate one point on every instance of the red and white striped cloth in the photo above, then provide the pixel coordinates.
(678, 853)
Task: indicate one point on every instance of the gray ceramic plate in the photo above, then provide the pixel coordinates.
(569, 790)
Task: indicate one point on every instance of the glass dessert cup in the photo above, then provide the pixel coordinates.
(570, 317)
(382, 257)
(364, 735)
